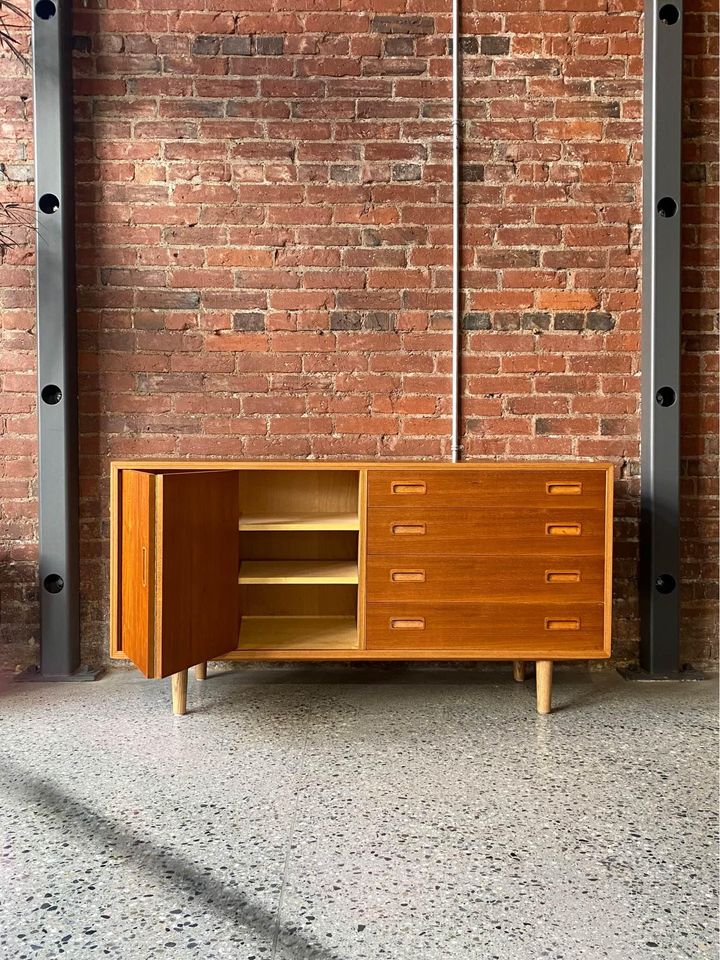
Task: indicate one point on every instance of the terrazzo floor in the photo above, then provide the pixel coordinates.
(343, 813)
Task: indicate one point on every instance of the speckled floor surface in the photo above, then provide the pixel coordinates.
(352, 814)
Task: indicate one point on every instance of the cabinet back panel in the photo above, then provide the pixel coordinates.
(298, 600)
(300, 545)
(301, 491)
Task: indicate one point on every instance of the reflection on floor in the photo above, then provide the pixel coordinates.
(341, 813)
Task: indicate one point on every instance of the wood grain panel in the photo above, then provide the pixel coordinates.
(507, 631)
(467, 579)
(137, 577)
(512, 531)
(483, 489)
(198, 566)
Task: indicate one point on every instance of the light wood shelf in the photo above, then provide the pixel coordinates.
(298, 571)
(300, 521)
(298, 633)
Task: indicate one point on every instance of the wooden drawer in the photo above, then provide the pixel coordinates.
(486, 489)
(404, 531)
(486, 578)
(515, 631)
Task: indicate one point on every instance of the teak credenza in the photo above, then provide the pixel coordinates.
(225, 560)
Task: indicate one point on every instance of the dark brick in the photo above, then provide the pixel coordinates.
(206, 46)
(379, 320)
(569, 321)
(236, 46)
(170, 299)
(544, 426)
(399, 47)
(494, 46)
(472, 172)
(269, 46)
(406, 171)
(248, 320)
(476, 321)
(535, 321)
(600, 321)
(468, 45)
(406, 25)
(345, 320)
(81, 44)
(371, 238)
(613, 428)
(694, 173)
(344, 173)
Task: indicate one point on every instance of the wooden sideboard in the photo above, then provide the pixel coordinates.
(226, 560)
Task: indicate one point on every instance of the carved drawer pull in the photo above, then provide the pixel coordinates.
(144, 566)
(407, 576)
(408, 529)
(562, 576)
(572, 623)
(406, 486)
(398, 623)
(563, 529)
(558, 487)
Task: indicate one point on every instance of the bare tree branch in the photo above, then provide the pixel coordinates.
(13, 21)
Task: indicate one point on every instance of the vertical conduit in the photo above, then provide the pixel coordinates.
(456, 446)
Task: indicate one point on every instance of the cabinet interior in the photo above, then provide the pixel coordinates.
(299, 546)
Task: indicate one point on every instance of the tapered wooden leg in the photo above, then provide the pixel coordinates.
(543, 681)
(519, 670)
(201, 671)
(179, 692)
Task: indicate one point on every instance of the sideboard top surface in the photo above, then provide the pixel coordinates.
(360, 465)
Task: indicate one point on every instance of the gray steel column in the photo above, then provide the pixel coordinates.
(56, 340)
(660, 457)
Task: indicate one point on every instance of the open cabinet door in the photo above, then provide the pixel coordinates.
(198, 556)
(179, 607)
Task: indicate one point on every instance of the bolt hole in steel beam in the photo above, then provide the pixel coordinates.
(669, 14)
(666, 396)
(51, 394)
(49, 203)
(53, 583)
(665, 583)
(45, 9)
(667, 207)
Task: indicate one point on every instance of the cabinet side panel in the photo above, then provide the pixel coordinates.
(116, 652)
(609, 533)
(137, 552)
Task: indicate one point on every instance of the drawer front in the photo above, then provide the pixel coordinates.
(484, 489)
(419, 531)
(533, 630)
(492, 578)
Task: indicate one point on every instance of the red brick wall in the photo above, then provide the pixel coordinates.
(264, 212)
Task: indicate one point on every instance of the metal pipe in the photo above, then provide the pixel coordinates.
(456, 446)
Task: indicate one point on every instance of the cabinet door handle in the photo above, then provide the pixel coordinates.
(144, 566)
(555, 623)
(563, 529)
(563, 488)
(408, 529)
(400, 623)
(405, 486)
(407, 576)
(562, 576)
